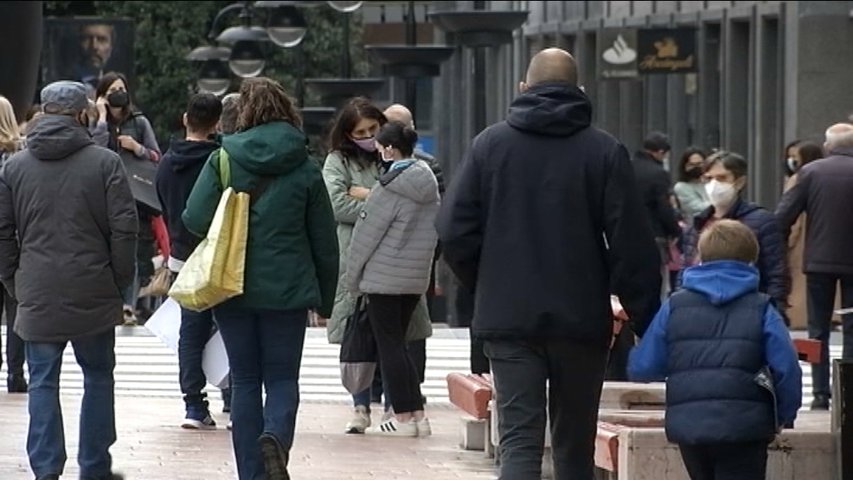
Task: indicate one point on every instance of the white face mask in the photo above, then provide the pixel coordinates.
(792, 164)
(721, 194)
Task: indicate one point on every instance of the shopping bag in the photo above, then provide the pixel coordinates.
(358, 351)
(214, 271)
(165, 324)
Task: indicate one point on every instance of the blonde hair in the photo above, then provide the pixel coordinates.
(728, 240)
(10, 134)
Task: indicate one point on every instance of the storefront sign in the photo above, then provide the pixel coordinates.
(617, 53)
(666, 50)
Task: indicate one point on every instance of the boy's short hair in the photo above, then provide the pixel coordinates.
(203, 111)
(728, 240)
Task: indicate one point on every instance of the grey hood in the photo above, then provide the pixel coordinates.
(54, 137)
(415, 181)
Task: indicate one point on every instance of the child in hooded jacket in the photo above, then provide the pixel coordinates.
(732, 373)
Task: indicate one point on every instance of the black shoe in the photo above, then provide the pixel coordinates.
(275, 457)
(16, 384)
(112, 476)
(820, 402)
(226, 400)
(52, 476)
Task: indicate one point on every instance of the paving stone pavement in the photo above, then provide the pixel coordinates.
(151, 446)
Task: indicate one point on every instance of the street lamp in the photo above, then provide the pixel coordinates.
(213, 76)
(286, 25)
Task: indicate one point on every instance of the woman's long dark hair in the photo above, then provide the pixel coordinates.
(809, 152)
(348, 117)
(685, 157)
(108, 79)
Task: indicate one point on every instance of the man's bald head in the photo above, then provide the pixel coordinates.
(399, 113)
(839, 135)
(552, 65)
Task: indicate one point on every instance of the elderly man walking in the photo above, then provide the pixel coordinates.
(67, 240)
(543, 223)
(824, 191)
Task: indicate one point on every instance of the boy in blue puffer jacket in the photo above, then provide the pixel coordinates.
(732, 374)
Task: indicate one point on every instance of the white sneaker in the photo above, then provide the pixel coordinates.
(360, 420)
(387, 415)
(424, 428)
(393, 428)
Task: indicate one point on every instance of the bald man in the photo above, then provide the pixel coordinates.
(399, 113)
(545, 220)
(824, 191)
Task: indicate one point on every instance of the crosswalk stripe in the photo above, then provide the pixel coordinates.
(147, 368)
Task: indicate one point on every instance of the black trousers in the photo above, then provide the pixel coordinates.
(574, 373)
(390, 316)
(14, 343)
(820, 300)
(726, 461)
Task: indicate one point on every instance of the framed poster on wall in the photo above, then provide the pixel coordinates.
(84, 48)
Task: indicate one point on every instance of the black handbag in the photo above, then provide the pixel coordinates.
(358, 350)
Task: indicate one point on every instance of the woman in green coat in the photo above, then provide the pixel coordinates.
(291, 268)
(350, 171)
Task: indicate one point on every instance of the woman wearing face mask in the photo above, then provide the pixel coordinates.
(351, 170)
(390, 260)
(690, 190)
(802, 154)
(122, 128)
(789, 162)
(726, 176)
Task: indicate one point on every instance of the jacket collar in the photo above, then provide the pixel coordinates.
(842, 152)
(739, 209)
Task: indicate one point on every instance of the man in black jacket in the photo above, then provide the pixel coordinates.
(176, 176)
(824, 191)
(543, 221)
(655, 188)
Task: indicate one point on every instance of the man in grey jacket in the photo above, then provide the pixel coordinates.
(67, 240)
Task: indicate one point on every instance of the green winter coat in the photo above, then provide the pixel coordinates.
(340, 175)
(292, 250)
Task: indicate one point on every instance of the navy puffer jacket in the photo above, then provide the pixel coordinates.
(772, 258)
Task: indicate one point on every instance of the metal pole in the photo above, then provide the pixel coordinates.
(346, 71)
(842, 415)
(411, 83)
(300, 74)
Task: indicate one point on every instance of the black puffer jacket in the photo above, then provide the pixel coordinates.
(543, 221)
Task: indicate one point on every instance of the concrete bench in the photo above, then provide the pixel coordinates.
(472, 393)
(808, 349)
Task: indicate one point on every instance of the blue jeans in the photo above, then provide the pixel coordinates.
(196, 329)
(264, 349)
(46, 439)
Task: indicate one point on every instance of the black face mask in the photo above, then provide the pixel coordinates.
(118, 99)
(693, 173)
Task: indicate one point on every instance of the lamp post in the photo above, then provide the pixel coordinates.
(480, 30)
(244, 44)
(411, 61)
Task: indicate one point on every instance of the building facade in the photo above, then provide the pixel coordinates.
(766, 73)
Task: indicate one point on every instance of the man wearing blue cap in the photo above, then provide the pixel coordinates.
(67, 241)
